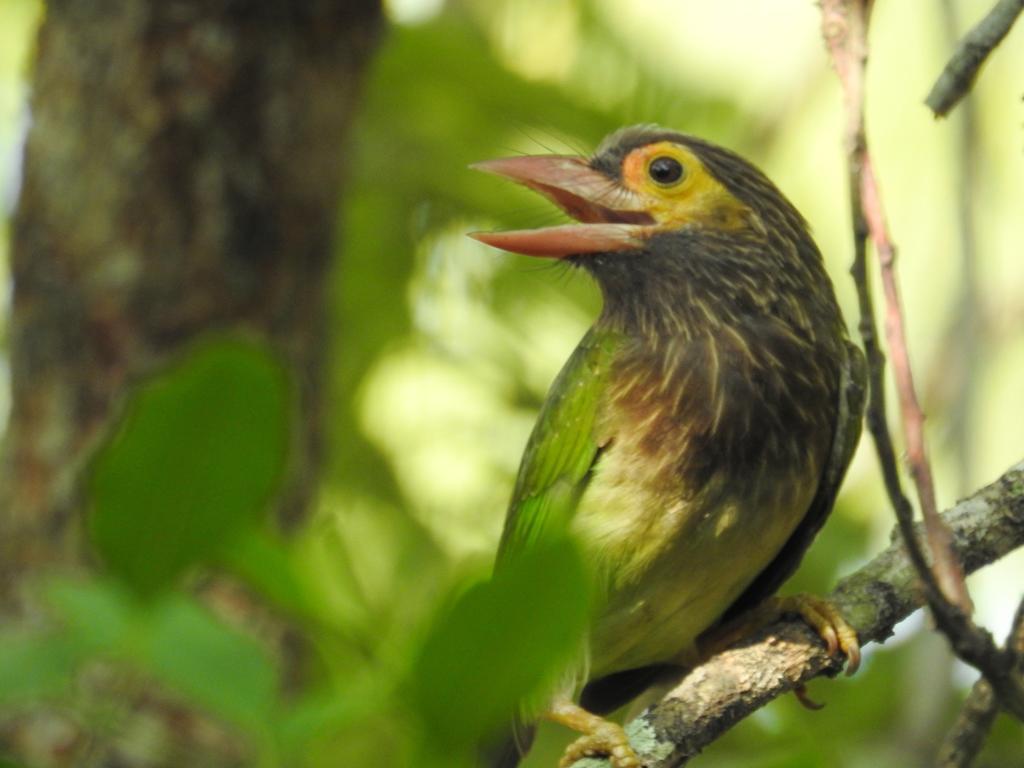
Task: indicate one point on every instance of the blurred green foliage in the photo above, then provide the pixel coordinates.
(443, 352)
(520, 627)
(197, 456)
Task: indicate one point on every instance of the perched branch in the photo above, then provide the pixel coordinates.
(960, 72)
(779, 658)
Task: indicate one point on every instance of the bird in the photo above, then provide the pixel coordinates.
(694, 442)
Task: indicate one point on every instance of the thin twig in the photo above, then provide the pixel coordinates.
(965, 337)
(1016, 638)
(844, 25)
(947, 571)
(963, 743)
(779, 658)
(960, 72)
(1015, 642)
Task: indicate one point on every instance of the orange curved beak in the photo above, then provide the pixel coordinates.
(611, 217)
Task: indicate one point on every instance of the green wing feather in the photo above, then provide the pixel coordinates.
(562, 449)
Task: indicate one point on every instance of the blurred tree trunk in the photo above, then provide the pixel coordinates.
(182, 174)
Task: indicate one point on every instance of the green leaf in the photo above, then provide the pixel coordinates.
(173, 638)
(499, 643)
(328, 711)
(219, 668)
(198, 455)
(263, 561)
(35, 665)
(99, 615)
(95, 617)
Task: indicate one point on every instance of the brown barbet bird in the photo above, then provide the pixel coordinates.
(695, 440)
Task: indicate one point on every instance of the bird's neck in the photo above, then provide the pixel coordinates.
(744, 380)
(740, 347)
(696, 286)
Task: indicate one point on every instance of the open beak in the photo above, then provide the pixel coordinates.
(611, 217)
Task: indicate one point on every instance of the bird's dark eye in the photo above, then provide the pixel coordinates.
(665, 170)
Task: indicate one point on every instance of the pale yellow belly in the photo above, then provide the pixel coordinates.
(668, 570)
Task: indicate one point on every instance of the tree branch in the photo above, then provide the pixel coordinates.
(779, 658)
(960, 72)
(964, 741)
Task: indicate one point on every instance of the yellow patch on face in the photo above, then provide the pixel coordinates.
(678, 189)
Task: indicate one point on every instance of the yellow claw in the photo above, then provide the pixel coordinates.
(823, 617)
(600, 737)
(828, 622)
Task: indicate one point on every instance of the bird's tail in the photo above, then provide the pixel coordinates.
(509, 747)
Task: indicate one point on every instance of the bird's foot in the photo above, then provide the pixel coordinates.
(823, 617)
(600, 737)
(610, 741)
(828, 622)
(805, 698)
